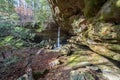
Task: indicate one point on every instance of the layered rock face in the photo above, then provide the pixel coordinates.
(95, 23)
(65, 12)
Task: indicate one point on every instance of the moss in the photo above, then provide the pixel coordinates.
(102, 50)
(118, 3)
(114, 47)
(82, 56)
(104, 31)
(74, 59)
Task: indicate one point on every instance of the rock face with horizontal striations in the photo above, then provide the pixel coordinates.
(94, 23)
(111, 75)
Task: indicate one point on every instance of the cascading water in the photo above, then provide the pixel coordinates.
(58, 38)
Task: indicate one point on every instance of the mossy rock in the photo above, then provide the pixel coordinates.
(80, 56)
(81, 75)
(102, 50)
(111, 11)
(76, 58)
(104, 31)
(92, 7)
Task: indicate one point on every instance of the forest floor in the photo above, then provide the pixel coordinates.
(38, 62)
(45, 66)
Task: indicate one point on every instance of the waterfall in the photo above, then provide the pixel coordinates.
(58, 38)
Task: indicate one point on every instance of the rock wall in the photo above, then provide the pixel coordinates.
(95, 23)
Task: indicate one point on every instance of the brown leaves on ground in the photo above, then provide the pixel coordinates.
(39, 64)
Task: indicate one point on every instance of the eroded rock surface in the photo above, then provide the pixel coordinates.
(93, 23)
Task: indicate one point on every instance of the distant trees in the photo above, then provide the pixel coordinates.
(12, 11)
(15, 35)
(25, 10)
(33, 10)
(7, 6)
